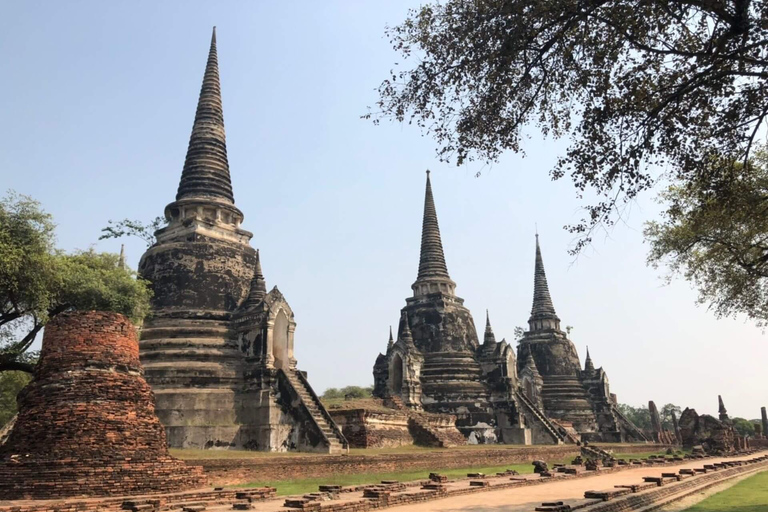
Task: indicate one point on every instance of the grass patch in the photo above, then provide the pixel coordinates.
(749, 495)
(302, 486)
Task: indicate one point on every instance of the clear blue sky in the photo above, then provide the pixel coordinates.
(97, 101)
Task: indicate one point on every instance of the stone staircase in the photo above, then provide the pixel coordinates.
(337, 444)
(424, 432)
(629, 425)
(540, 417)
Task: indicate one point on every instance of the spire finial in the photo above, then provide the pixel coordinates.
(433, 273)
(121, 260)
(404, 332)
(391, 341)
(721, 409)
(531, 363)
(432, 259)
(543, 314)
(589, 367)
(489, 336)
(206, 168)
(258, 284)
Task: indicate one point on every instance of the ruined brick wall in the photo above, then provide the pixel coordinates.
(368, 429)
(87, 423)
(237, 471)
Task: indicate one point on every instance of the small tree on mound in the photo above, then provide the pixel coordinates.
(37, 281)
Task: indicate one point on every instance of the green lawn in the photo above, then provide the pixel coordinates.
(750, 495)
(246, 454)
(310, 484)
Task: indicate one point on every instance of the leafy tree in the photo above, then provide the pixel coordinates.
(348, 392)
(715, 233)
(128, 227)
(37, 282)
(743, 427)
(10, 385)
(639, 416)
(666, 415)
(637, 87)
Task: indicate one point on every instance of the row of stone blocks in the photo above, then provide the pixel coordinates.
(648, 484)
(391, 493)
(191, 501)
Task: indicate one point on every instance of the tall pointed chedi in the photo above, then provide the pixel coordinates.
(569, 395)
(444, 333)
(556, 358)
(218, 349)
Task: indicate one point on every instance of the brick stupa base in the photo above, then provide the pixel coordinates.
(87, 423)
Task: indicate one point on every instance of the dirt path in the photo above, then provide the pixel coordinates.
(525, 499)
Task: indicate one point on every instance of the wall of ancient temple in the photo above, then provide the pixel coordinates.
(87, 423)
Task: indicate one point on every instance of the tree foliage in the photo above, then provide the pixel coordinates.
(128, 227)
(637, 87)
(348, 392)
(666, 415)
(714, 232)
(37, 281)
(639, 416)
(10, 385)
(743, 427)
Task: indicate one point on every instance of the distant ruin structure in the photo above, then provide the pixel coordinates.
(540, 395)
(764, 421)
(218, 349)
(86, 424)
(715, 436)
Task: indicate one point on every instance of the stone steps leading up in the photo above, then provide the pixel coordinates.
(335, 440)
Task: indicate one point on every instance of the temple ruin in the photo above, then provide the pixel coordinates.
(86, 422)
(540, 395)
(218, 348)
(713, 435)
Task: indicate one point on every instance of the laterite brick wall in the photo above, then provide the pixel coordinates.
(86, 423)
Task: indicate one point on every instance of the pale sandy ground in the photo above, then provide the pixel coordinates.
(525, 499)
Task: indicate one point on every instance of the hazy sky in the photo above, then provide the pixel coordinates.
(97, 101)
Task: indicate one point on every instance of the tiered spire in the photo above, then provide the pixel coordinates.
(391, 341)
(530, 363)
(258, 284)
(433, 272)
(543, 314)
(432, 259)
(404, 332)
(206, 168)
(489, 336)
(589, 367)
(721, 409)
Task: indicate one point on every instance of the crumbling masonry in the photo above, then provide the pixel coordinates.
(86, 423)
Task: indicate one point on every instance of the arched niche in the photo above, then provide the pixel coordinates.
(281, 349)
(397, 375)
